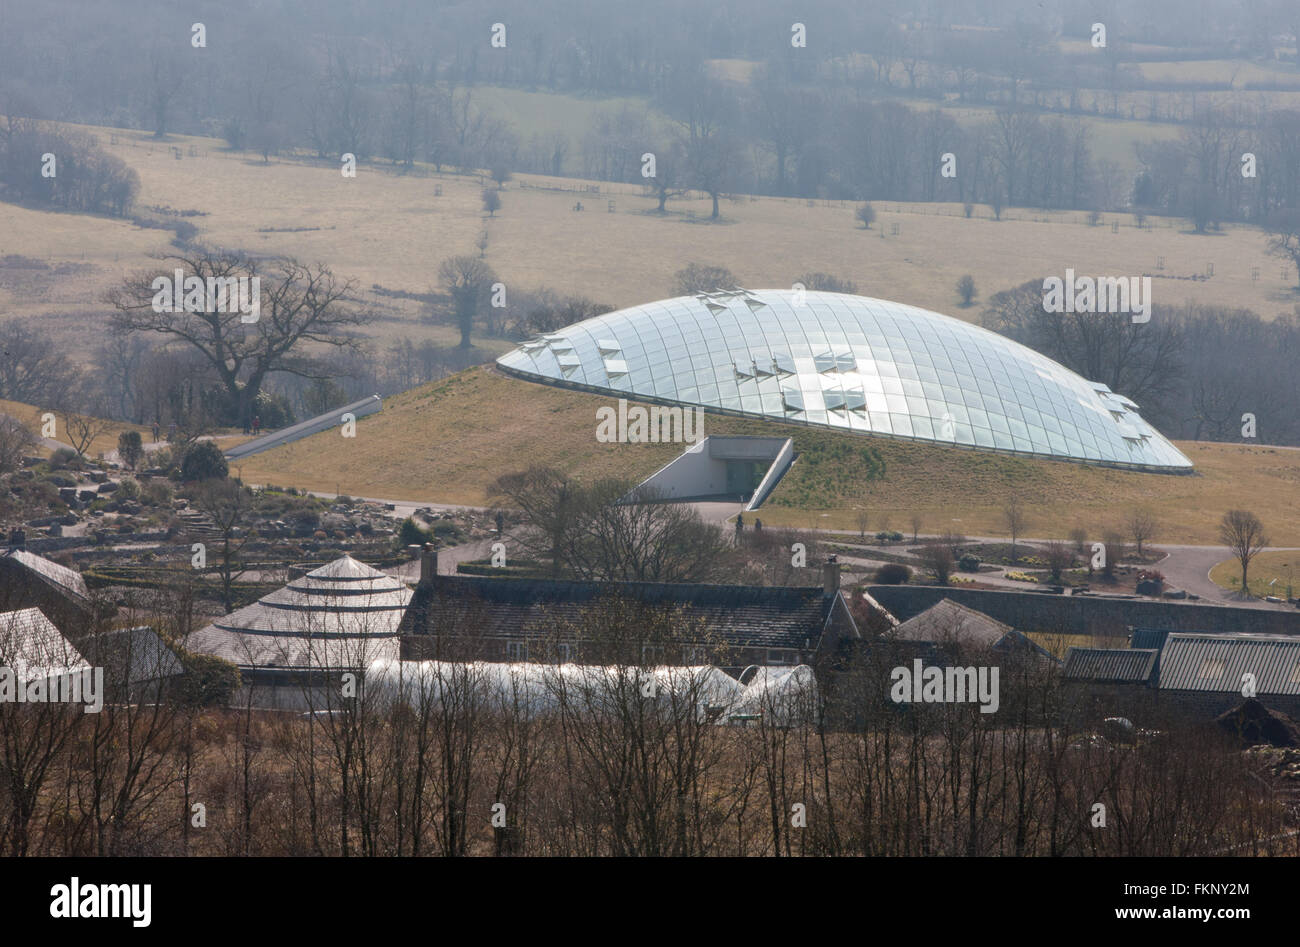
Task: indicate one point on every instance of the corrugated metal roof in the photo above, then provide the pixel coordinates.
(1148, 638)
(1218, 663)
(1109, 665)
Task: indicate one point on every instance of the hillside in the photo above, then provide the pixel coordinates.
(448, 441)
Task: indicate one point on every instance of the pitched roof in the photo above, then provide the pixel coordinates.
(1218, 663)
(948, 623)
(139, 653)
(66, 579)
(33, 647)
(946, 620)
(742, 616)
(1109, 665)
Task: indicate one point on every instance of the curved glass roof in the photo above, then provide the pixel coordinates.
(865, 365)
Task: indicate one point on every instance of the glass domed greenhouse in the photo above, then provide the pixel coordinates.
(864, 365)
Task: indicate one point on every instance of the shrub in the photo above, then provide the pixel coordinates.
(969, 562)
(411, 534)
(128, 489)
(64, 457)
(208, 681)
(156, 493)
(893, 573)
(61, 479)
(204, 461)
(130, 447)
(865, 213)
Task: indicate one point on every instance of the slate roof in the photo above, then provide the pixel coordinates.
(66, 579)
(139, 653)
(1109, 665)
(343, 615)
(950, 623)
(1216, 663)
(741, 616)
(33, 647)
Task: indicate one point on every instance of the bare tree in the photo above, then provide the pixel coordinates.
(1015, 518)
(936, 558)
(303, 307)
(1243, 533)
(1113, 543)
(1059, 557)
(917, 523)
(16, 440)
(82, 428)
(863, 521)
(1284, 237)
(702, 278)
(468, 279)
(610, 531)
(229, 505)
(33, 368)
(1141, 527)
(966, 289)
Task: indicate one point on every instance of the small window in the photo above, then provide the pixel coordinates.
(517, 650)
(1212, 669)
(651, 654)
(565, 652)
(780, 656)
(695, 655)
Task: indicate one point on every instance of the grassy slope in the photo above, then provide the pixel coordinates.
(448, 441)
(31, 416)
(1281, 565)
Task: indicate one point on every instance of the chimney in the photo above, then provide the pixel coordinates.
(831, 577)
(428, 564)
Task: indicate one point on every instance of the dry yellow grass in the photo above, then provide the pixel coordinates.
(1271, 573)
(30, 415)
(388, 229)
(447, 442)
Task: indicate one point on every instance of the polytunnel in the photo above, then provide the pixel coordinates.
(784, 694)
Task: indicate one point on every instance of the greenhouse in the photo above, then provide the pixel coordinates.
(863, 365)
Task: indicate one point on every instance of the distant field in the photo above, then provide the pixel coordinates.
(392, 230)
(448, 441)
